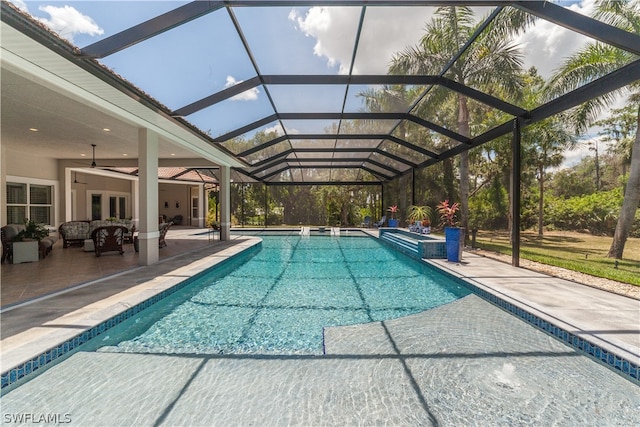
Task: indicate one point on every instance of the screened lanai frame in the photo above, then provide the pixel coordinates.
(362, 147)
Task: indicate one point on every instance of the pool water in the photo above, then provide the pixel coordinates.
(278, 299)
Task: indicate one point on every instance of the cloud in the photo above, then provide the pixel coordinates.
(584, 148)
(275, 128)
(67, 22)
(331, 28)
(390, 30)
(382, 36)
(547, 45)
(247, 95)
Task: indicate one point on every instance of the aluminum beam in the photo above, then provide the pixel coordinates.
(150, 28)
(582, 24)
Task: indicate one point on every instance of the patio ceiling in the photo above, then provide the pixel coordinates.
(294, 116)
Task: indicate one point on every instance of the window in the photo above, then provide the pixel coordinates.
(29, 201)
(16, 203)
(117, 207)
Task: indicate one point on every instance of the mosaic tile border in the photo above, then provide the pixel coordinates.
(20, 372)
(620, 365)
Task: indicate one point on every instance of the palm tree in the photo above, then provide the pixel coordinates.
(593, 61)
(491, 62)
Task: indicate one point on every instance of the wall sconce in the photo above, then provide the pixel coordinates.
(166, 205)
(177, 205)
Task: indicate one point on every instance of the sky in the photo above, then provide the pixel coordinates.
(206, 55)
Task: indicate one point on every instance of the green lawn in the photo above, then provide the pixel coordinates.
(574, 251)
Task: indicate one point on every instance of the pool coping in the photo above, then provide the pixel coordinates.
(35, 348)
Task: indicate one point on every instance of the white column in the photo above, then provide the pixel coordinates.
(148, 176)
(203, 206)
(66, 185)
(225, 203)
(135, 200)
(3, 184)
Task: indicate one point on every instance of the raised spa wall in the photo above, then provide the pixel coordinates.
(415, 245)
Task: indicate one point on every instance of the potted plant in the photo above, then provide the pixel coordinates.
(26, 242)
(393, 221)
(419, 217)
(32, 231)
(454, 235)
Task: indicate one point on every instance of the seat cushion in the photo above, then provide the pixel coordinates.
(75, 230)
(12, 230)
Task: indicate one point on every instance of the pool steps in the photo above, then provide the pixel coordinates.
(415, 245)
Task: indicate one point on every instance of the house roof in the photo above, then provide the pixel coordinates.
(332, 137)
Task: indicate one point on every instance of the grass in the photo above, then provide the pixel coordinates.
(574, 251)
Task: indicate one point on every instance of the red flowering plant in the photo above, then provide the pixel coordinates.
(448, 213)
(394, 210)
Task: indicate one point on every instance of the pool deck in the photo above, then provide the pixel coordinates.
(603, 318)
(608, 320)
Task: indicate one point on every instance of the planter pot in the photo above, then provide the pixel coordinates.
(25, 251)
(454, 237)
(393, 222)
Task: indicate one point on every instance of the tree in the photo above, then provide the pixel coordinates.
(544, 142)
(593, 61)
(492, 61)
(620, 127)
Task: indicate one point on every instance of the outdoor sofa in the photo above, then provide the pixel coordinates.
(10, 231)
(76, 232)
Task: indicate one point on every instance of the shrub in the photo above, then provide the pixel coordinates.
(596, 213)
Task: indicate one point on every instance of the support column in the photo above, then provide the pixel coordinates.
(203, 205)
(148, 176)
(413, 186)
(266, 204)
(66, 195)
(225, 203)
(516, 167)
(3, 184)
(381, 201)
(135, 202)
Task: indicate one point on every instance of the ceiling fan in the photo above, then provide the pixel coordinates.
(93, 159)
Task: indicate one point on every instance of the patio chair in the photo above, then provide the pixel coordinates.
(367, 222)
(381, 222)
(109, 238)
(163, 232)
(176, 220)
(7, 247)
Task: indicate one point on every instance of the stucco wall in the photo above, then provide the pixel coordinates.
(172, 194)
(88, 184)
(30, 166)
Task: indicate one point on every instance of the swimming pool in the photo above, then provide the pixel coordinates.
(467, 362)
(279, 299)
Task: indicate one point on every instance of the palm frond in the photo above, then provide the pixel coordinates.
(511, 22)
(592, 62)
(624, 14)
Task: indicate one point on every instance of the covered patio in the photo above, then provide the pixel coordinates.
(70, 268)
